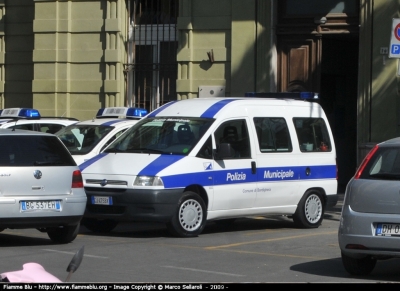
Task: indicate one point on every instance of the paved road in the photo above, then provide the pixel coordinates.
(266, 250)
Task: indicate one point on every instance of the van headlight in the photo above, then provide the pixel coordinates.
(148, 181)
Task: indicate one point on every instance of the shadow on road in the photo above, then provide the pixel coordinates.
(18, 240)
(387, 271)
(150, 230)
(145, 230)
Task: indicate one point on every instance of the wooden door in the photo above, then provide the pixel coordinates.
(299, 60)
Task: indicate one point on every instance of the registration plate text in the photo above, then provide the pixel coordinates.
(40, 205)
(101, 200)
(388, 229)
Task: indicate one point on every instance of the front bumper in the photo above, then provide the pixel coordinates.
(11, 216)
(39, 222)
(134, 205)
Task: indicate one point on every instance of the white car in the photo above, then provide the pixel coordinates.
(87, 139)
(30, 119)
(41, 185)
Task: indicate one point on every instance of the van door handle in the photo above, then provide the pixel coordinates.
(253, 167)
(308, 171)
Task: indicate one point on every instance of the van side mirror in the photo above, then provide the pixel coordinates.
(223, 151)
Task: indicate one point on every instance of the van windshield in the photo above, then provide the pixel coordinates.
(168, 135)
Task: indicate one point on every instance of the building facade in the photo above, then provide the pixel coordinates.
(72, 57)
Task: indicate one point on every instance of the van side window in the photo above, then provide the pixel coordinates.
(206, 150)
(235, 133)
(272, 134)
(312, 134)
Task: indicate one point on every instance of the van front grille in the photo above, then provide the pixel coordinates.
(108, 182)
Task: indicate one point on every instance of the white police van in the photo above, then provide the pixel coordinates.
(86, 139)
(30, 119)
(206, 159)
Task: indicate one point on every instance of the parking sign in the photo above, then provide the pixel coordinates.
(394, 50)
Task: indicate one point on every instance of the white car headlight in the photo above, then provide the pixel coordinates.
(148, 181)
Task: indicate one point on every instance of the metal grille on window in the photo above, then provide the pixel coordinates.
(151, 71)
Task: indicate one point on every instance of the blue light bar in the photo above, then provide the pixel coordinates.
(308, 95)
(291, 95)
(100, 112)
(20, 113)
(121, 112)
(27, 112)
(136, 112)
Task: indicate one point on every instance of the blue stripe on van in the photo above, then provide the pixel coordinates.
(184, 180)
(159, 164)
(296, 173)
(235, 176)
(203, 178)
(318, 172)
(210, 112)
(155, 112)
(87, 163)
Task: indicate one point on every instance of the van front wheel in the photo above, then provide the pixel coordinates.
(310, 210)
(190, 217)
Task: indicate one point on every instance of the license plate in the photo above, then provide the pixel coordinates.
(40, 205)
(388, 229)
(101, 200)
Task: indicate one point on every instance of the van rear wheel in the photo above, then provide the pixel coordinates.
(310, 210)
(190, 217)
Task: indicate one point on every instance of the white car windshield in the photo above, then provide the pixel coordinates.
(81, 139)
(162, 135)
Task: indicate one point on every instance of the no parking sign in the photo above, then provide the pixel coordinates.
(395, 39)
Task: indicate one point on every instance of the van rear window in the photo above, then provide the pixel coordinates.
(312, 134)
(30, 150)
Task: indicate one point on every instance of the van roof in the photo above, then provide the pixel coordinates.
(209, 107)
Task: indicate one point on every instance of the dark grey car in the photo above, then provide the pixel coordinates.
(370, 221)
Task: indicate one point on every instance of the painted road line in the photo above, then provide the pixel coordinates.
(269, 240)
(69, 253)
(272, 254)
(204, 271)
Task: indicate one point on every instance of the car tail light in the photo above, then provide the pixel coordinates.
(365, 162)
(77, 181)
